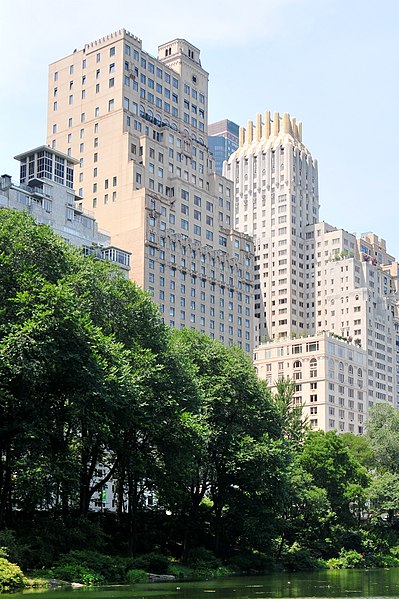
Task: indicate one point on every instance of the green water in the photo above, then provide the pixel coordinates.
(331, 583)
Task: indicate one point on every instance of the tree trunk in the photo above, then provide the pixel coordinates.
(132, 514)
(5, 495)
(218, 527)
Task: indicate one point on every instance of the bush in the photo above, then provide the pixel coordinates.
(252, 562)
(299, 559)
(352, 558)
(11, 576)
(109, 569)
(203, 558)
(151, 562)
(380, 560)
(135, 576)
(348, 558)
(11, 546)
(78, 573)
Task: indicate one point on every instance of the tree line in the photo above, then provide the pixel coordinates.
(90, 375)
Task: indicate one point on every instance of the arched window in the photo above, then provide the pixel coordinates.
(331, 368)
(359, 378)
(313, 368)
(297, 364)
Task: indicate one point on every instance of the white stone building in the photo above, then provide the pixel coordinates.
(312, 279)
(46, 191)
(276, 196)
(330, 377)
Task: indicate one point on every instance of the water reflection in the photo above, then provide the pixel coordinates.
(371, 584)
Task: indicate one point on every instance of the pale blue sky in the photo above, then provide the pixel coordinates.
(333, 64)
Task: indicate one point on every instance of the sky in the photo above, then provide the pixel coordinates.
(332, 64)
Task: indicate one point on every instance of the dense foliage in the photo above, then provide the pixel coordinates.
(95, 391)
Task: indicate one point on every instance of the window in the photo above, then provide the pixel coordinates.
(111, 104)
(112, 51)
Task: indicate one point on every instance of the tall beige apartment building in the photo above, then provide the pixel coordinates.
(138, 125)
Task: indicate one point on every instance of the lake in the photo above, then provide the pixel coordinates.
(321, 584)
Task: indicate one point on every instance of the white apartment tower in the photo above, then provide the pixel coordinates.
(326, 302)
(276, 198)
(138, 125)
(351, 362)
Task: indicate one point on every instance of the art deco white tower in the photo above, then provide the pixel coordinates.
(276, 197)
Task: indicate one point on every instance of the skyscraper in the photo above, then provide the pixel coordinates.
(276, 197)
(138, 125)
(222, 141)
(326, 301)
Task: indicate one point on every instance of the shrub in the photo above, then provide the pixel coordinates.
(11, 546)
(348, 558)
(180, 571)
(135, 576)
(299, 559)
(334, 563)
(203, 558)
(109, 569)
(352, 559)
(252, 562)
(11, 576)
(78, 573)
(151, 562)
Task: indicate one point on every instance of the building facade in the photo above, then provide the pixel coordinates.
(46, 191)
(275, 198)
(330, 376)
(138, 125)
(223, 141)
(313, 279)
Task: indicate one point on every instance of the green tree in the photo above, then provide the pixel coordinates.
(307, 515)
(384, 496)
(326, 458)
(382, 432)
(360, 449)
(294, 424)
(240, 455)
(87, 376)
